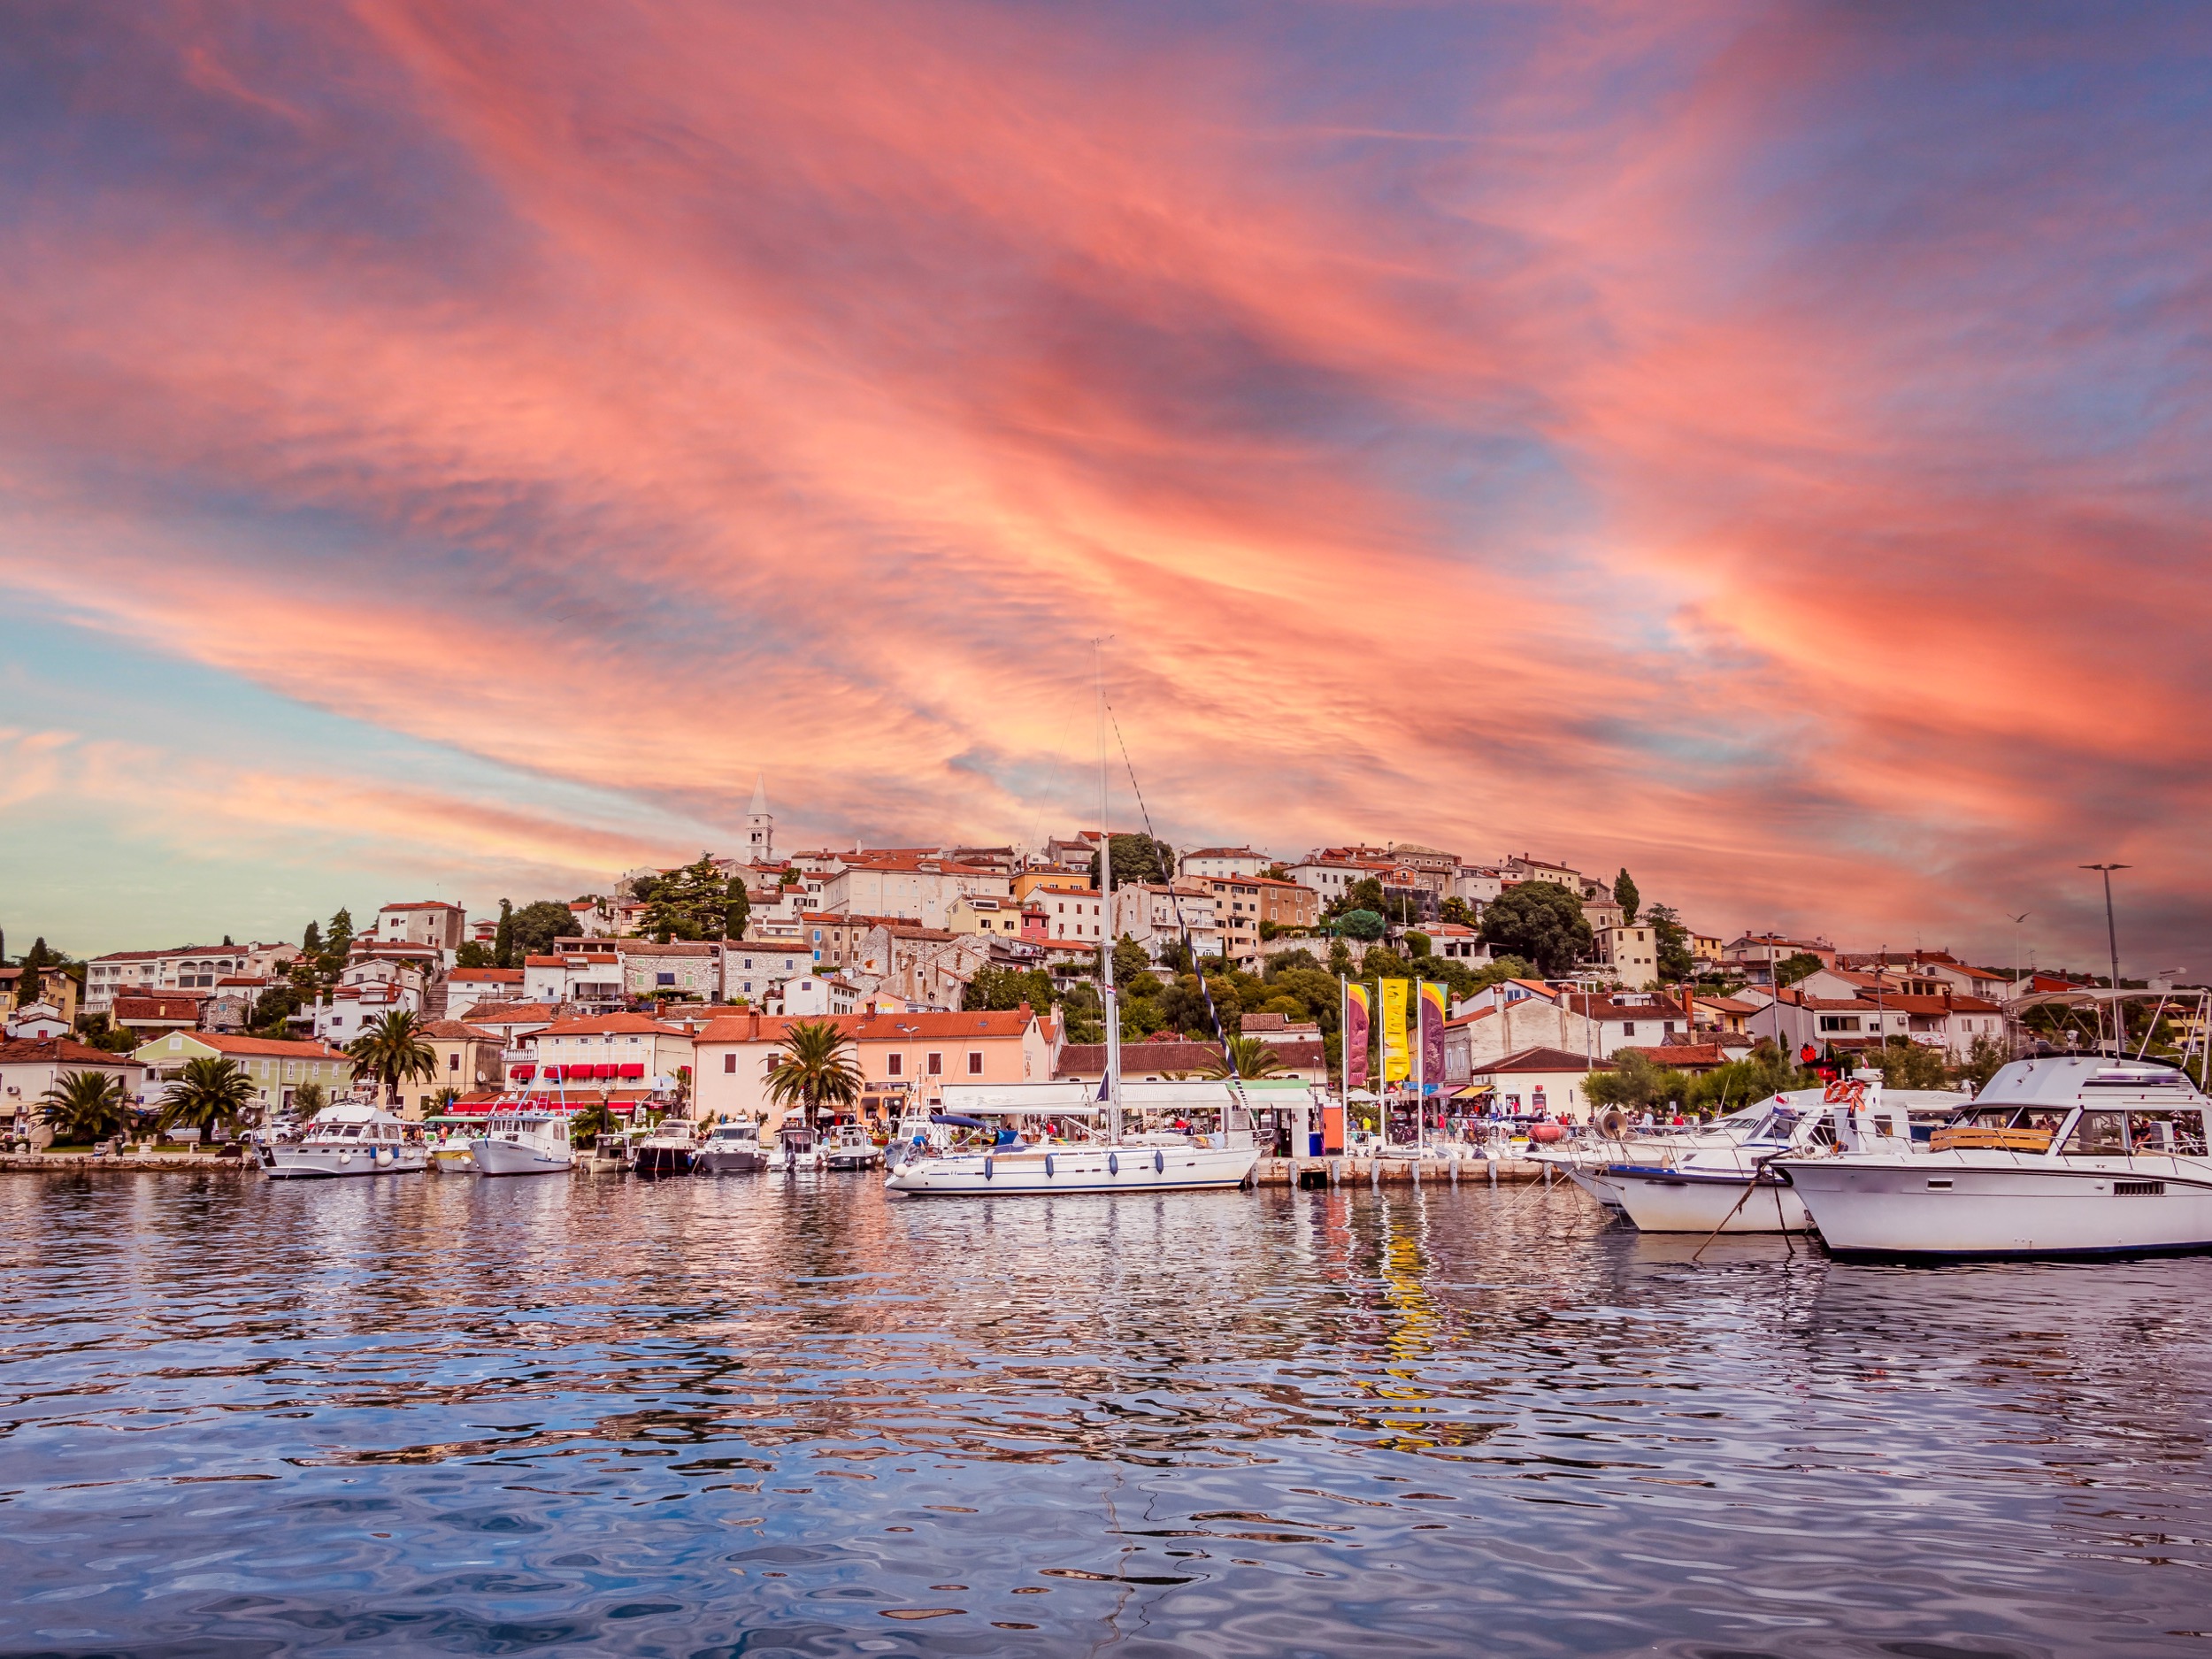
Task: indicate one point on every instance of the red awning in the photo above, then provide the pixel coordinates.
(522, 1074)
(609, 1070)
(471, 1109)
(552, 1074)
(630, 1068)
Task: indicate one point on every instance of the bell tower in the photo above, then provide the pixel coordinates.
(760, 825)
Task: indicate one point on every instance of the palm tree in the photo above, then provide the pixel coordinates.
(817, 1069)
(211, 1092)
(392, 1052)
(87, 1106)
(1247, 1056)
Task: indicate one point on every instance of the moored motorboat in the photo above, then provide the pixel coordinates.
(2072, 1155)
(669, 1150)
(848, 1147)
(730, 1149)
(1058, 1154)
(351, 1138)
(524, 1140)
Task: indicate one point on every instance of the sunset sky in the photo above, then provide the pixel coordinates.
(449, 451)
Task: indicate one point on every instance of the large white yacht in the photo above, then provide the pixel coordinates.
(525, 1141)
(2075, 1155)
(348, 1139)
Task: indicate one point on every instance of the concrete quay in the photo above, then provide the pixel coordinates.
(79, 1162)
(1351, 1172)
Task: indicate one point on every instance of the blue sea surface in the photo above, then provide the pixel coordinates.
(791, 1415)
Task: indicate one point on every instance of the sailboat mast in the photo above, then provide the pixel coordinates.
(1108, 1007)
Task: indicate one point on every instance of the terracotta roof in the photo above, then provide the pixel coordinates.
(39, 1050)
(452, 1030)
(185, 1008)
(1542, 1060)
(674, 948)
(545, 962)
(612, 1025)
(273, 1048)
(510, 1013)
(1470, 1017)
(418, 904)
(1681, 1053)
(485, 976)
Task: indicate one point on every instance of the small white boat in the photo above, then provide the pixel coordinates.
(2075, 1155)
(524, 1140)
(1157, 1160)
(449, 1153)
(848, 1147)
(348, 1139)
(1730, 1186)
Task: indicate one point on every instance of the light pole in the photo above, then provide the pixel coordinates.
(2112, 938)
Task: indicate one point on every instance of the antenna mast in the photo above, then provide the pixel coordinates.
(1109, 1007)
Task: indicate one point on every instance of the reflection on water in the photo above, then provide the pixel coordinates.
(765, 1415)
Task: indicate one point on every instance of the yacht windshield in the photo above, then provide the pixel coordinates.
(2099, 1134)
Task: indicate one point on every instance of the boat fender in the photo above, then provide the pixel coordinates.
(1048, 1166)
(1159, 1163)
(986, 1168)
(346, 1156)
(1113, 1164)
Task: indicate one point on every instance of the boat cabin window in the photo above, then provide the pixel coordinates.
(2178, 1131)
(2099, 1134)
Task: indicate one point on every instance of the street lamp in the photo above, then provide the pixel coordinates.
(2112, 938)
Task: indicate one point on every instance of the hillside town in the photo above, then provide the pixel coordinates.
(675, 988)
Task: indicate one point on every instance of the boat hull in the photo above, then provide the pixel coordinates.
(320, 1164)
(1685, 1201)
(738, 1161)
(839, 1159)
(664, 1160)
(1073, 1170)
(1946, 1205)
(513, 1157)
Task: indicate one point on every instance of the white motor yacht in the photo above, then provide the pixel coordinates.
(347, 1138)
(2075, 1155)
(670, 1150)
(525, 1141)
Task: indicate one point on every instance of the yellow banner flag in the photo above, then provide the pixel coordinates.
(1397, 1054)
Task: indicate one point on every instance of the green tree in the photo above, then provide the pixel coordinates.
(1675, 963)
(1138, 858)
(1004, 989)
(1366, 893)
(1625, 895)
(1766, 1071)
(309, 1098)
(538, 924)
(273, 1008)
(311, 941)
(472, 954)
(1904, 1064)
(1418, 944)
(690, 902)
(1542, 921)
(1982, 1063)
(1802, 965)
(1361, 924)
(391, 1050)
(1634, 1081)
(1455, 911)
(817, 1069)
(211, 1094)
(1245, 1056)
(29, 983)
(87, 1106)
(339, 937)
(503, 940)
(1129, 960)
(737, 908)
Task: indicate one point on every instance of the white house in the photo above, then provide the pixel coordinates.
(1160, 916)
(920, 887)
(589, 979)
(1539, 1079)
(1630, 950)
(1224, 861)
(753, 968)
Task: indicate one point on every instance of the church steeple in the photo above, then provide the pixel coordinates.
(760, 827)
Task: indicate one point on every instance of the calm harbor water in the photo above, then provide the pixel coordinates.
(790, 1416)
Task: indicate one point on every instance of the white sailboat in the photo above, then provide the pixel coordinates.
(1154, 1159)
